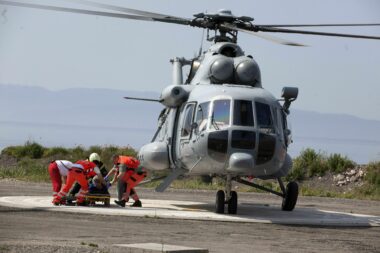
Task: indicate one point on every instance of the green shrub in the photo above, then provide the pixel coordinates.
(373, 174)
(34, 150)
(338, 163)
(30, 149)
(14, 151)
(298, 172)
(95, 149)
(308, 164)
(55, 151)
(77, 153)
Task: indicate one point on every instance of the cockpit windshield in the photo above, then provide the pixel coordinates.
(243, 113)
(202, 116)
(264, 116)
(220, 117)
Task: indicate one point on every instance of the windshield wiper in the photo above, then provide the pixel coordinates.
(213, 122)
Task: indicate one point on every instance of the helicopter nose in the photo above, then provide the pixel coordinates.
(240, 162)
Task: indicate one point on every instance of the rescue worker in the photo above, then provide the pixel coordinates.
(95, 158)
(99, 184)
(125, 170)
(80, 175)
(58, 171)
(132, 180)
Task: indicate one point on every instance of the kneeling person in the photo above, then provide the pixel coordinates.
(80, 175)
(124, 168)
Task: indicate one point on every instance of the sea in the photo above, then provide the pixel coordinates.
(17, 133)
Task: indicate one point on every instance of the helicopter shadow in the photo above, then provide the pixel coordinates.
(300, 216)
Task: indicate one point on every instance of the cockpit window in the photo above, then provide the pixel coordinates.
(202, 116)
(188, 118)
(264, 115)
(220, 117)
(243, 113)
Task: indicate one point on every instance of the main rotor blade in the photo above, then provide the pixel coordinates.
(126, 10)
(320, 25)
(281, 30)
(89, 12)
(265, 36)
(144, 99)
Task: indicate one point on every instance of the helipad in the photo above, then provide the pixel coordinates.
(187, 210)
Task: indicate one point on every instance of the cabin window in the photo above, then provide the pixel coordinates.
(243, 113)
(202, 116)
(264, 116)
(187, 120)
(220, 117)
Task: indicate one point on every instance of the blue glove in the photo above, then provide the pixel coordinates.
(91, 187)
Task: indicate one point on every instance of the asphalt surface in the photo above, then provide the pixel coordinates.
(36, 230)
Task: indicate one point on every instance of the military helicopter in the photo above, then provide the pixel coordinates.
(220, 121)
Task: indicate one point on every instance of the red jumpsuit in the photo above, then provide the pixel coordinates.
(55, 177)
(80, 176)
(58, 169)
(132, 179)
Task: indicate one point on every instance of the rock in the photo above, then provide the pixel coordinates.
(354, 178)
(360, 173)
(351, 172)
(338, 177)
(340, 183)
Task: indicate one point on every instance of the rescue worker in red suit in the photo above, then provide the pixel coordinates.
(58, 171)
(127, 177)
(79, 175)
(95, 158)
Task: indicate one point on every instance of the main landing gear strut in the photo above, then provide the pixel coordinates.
(289, 195)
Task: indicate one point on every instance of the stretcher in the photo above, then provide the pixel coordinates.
(91, 199)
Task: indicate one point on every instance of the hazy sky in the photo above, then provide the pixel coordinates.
(62, 50)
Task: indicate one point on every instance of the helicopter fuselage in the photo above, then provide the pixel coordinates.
(223, 129)
(221, 121)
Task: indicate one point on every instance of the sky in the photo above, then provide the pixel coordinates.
(62, 50)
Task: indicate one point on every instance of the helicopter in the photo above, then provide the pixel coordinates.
(220, 121)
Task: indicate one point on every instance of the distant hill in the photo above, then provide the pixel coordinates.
(357, 138)
(80, 107)
(101, 116)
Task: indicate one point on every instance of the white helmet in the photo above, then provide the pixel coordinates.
(94, 157)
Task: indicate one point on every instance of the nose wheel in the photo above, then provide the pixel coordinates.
(221, 201)
(226, 197)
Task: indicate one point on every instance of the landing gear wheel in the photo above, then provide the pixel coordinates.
(219, 203)
(232, 203)
(291, 195)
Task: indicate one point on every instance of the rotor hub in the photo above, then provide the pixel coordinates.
(220, 22)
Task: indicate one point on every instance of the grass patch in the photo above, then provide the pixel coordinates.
(28, 170)
(33, 159)
(93, 245)
(319, 192)
(371, 187)
(89, 244)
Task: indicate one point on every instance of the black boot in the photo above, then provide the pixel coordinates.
(137, 204)
(120, 202)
